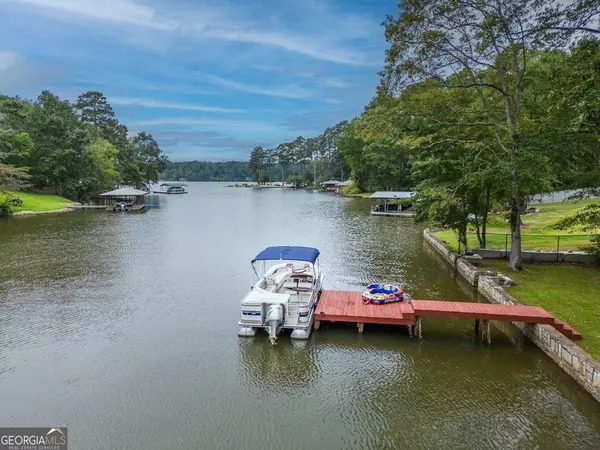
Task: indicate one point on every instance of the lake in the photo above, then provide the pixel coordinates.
(123, 327)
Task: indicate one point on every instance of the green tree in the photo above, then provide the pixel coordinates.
(152, 162)
(260, 160)
(60, 142)
(488, 44)
(94, 108)
(587, 220)
(284, 157)
(301, 155)
(258, 163)
(351, 147)
(12, 178)
(104, 155)
(296, 179)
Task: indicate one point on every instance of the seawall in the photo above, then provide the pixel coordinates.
(582, 367)
(42, 213)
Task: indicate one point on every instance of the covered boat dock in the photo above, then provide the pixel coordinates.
(389, 203)
(127, 194)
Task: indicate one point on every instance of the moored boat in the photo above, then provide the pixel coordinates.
(286, 291)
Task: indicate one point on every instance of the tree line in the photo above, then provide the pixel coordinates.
(238, 171)
(73, 149)
(303, 161)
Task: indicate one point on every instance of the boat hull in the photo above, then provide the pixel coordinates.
(300, 331)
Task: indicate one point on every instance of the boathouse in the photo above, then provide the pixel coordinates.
(171, 187)
(390, 203)
(339, 187)
(329, 185)
(135, 196)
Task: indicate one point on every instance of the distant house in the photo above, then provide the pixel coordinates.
(339, 187)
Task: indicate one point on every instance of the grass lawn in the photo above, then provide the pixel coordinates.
(39, 202)
(535, 232)
(569, 292)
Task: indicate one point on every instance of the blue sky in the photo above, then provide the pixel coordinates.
(209, 79)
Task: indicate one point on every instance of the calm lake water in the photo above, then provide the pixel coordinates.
(123, 328)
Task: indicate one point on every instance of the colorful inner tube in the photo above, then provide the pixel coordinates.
(379, 294)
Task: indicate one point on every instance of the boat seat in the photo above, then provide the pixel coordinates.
(303, 285)
(277, 279)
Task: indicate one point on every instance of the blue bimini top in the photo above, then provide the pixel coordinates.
(288, 253)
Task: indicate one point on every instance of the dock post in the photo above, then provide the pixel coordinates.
(485, 332)
(361, 327)
(418, 327)
(317, 324)
(411, 331)
(476, 326)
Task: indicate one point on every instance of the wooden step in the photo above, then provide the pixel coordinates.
(566, 330)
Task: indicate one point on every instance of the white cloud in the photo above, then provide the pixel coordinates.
(125, 11)
(221, 23)
(333, 101)
(337, 83)
(214, 123)
(291, 91)
(294, 43)
(149, 103)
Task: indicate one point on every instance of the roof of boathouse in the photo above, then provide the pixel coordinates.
(392, 194)
(330, 182)
(288, 253)
(124, 192)
(344, 183)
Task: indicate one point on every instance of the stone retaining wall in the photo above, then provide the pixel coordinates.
(465, 268)
(573, 360)
(41, 213)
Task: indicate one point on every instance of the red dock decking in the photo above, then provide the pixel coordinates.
(348, 306)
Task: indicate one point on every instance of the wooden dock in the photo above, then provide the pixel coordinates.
(134, 208)
(392, 213)
(348, 306)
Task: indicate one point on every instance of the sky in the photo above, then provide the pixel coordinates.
(208, 79)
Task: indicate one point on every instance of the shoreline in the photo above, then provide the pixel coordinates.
(42, 213)
(572, 359)
(257, 186)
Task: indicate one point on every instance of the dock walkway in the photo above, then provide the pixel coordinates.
(348, 306)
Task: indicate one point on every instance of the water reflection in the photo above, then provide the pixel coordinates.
(288, 365)
(115, 321)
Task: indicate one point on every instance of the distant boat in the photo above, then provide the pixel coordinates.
(172, 188)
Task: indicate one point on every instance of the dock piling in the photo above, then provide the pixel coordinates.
(361, 327)
(486, 335)
(418, 327)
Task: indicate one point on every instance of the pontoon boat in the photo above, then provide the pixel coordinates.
(285, 294)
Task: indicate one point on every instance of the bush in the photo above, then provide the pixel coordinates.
(351, 189)
(5, 209)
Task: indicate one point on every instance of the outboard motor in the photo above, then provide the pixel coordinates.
(274, 321)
